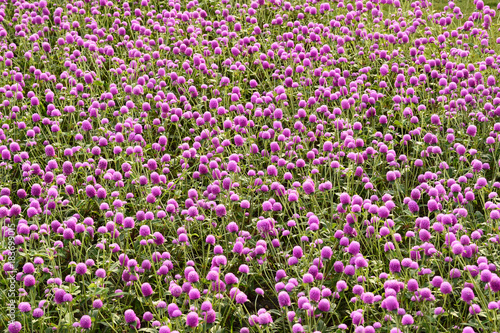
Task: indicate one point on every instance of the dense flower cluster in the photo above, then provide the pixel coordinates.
(251, 166)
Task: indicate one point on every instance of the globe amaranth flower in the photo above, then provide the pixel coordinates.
(85, 322)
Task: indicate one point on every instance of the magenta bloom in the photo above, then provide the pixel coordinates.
(15, 327)
(81, 269)
(391, 303)
(391, 176)
(326, 252)
(407, 320)
(395, 266)
(130, 316)
(88, 78)
(220, 210)
(24, 307)
(90, 191)
(308, 187)
(353, 248)
(467, 294)
(29, 280)
(495, 284)
(146, 289)
(284, 299)
(214, 104)
(192, 319)
(472, 130)
(86, 322)
(67, 168)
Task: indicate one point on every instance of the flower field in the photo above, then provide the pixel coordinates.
(250, 166)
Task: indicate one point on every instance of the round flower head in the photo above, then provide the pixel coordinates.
(353, 248)
(100, 273)
(130, 316)
(24, 307)
(86, 125)
(297, 252)
(412, 285)
(67, 168)
(324, 305)
(81, 269)
(241, 298)
(29, 280)
(220, 210)
(438, 311)
(90, 191)
(264, 318)
(86, 322)
(192, 319)
(467, 294)
(326, 252)
(368, 298)
(49, 151)
(284, 299)
(144, 231)
(37, 313)
(97, 304)
(486, 275)
(15, 327)
(391, 176)
(308, 187)
(472, 130)
(495, 284)
(88, 78)
(391, 303)
(146, 289)
(395, 266)
(407, 320)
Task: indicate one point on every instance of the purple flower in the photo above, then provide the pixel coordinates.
(37, 313)
(88, 78)
(192, 319)
(15, 327)
(29, 280)
(391, 176)
(90, 191)
(24, 307)
(220, 210)
(467, 295)
(391, 303)
(241, 298)
(86, 125)
(130, 316)
(97, 304)
(395, 266)
(353, 248)
(284, 299)
(472, 130)
(324, 305)
(146, 289)
(49, 151)
(213, 104)
(308, 187)
(86, 322)
(81, 269)
(407, 320)
(413, 206)
(495, 284)
(326, 252)
(67, 168)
